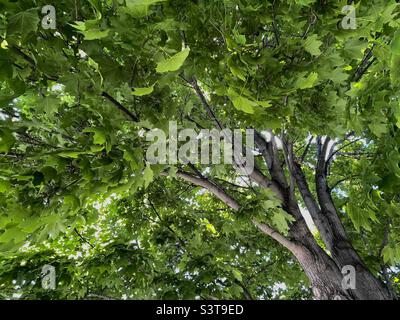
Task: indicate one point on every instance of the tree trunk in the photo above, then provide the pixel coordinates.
(326, 278)
(322, 269)
(325, 274)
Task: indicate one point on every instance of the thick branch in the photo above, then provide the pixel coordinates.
(303, 156)
(264, 182)
(320, 220)
(269, 151)
(288, 154)
(232, 203)
(276, 236)
(211, 187)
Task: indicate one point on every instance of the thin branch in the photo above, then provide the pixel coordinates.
(303, 156)
(232, 184)
(120, 106)
(211, 187)
(99, 296)
(83, 239)
(323, 155)
(384, 267)
(341, 148)
(269, 151)
(288, 155)
(385, 239)
(364, 65)
(276, 32)
(204, 102)
(341, 180)
(162, 221)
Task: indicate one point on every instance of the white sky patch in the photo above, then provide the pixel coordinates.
(57, 87)
(201, 192)
(309, 221)
(277, 288)
(82, 54)
(268, 137)
(3, 116)
(243, 181)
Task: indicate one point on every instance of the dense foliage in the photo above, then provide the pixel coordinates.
(77, 193)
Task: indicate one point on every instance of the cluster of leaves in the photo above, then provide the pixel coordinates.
(77, 193)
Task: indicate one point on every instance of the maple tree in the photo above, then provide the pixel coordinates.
(77, 193)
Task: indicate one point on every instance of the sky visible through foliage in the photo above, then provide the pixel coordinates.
(83, 83)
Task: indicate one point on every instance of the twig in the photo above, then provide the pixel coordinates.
(120, 106)
(83, 239)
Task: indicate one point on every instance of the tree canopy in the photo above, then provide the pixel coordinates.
(76, 189)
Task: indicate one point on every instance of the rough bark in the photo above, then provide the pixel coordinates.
(342, 251)
(312, 258)
(324, 275)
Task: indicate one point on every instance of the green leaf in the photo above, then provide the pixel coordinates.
(391, 254)
(13, 234)
(143, 91)
(4, 185)
(210, 227)
(70, 154)
(71, 202)
(281, 221)
(265, 104)
(235, 69)
(305, 2)
(49, 105)
(23, 22)
(360, 217)
(243, 104)
(5, 65)
(148, 176)
(100, 135)
(79, 25)
(7, 140)
(338, 75)
(97, 7)
(378, 128)
(140, 8)
(395, 60)
(174, 63)
(306, 82)
(53, 225)
(312, 45)
(91, 29)
(237, 274)
(94, 34)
